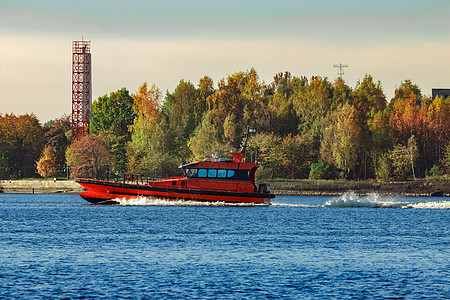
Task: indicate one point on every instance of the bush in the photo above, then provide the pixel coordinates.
(322, 170)
(434, 170)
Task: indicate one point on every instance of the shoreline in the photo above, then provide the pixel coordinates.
(419, 188)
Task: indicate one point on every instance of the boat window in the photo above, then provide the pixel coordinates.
(190, 172)
(230, 173)
(221, 173)
(212, 173)
(202, 173)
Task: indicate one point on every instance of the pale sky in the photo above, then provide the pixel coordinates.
(163, 42)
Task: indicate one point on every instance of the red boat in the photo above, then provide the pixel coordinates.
(213, 180)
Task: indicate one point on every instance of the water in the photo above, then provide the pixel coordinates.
(57, 246)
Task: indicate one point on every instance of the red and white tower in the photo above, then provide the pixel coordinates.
(81, 88)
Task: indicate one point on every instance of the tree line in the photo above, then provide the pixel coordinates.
(306, 128)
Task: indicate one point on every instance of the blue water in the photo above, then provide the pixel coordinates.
(56, 246)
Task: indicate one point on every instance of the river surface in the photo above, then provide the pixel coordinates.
(348, 247)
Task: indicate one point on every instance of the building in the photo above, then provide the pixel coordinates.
(444, 93)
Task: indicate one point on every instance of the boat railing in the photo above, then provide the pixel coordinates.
(129, 178)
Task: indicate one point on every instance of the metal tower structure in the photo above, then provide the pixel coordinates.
(81, 88)
(341, 69)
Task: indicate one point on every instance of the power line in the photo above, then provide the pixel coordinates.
(341, 69)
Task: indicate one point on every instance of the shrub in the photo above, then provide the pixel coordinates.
(322, 170)
(434, 170)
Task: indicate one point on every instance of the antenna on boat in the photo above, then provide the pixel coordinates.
(246, 138)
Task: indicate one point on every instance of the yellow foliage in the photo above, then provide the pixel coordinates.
(46, 165)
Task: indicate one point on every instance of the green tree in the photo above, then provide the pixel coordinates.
(111, 118)
(368, 96)
(405, 89)
(204, 142)
(295, 156)
(312, 104)
(180, 108)
(384, 167)
(265, 145)
(114, 113)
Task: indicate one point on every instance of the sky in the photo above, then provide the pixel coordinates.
(163, 42)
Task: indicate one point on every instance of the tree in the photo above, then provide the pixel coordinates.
(381, 142)
(179, 108)
(241, 95)
(413, 153)
(436, 133)
(114, 113)
(22, 142)
(295, 156)
(46, 165)
(312, 103)
(368, 95)
(405, 89)
(147, 109)
(204, 141)
(150, 147)
(383, 167)
(341, 142)
(90, 157)
(403, 159)
(56, 138)
(447, 155)
(111, 118)
(265, 145)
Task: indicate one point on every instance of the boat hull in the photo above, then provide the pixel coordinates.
(104, 192)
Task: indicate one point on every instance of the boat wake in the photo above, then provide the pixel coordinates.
(295, 205)
(145, 201)
(350, 199)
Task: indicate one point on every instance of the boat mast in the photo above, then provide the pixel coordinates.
(246, 138)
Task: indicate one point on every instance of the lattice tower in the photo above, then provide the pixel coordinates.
(81, 88)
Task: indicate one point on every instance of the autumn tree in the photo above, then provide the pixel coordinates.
(22, 142)
(241, 95)
(148, 149)
(89, 157)
(46, 165)
(436, 134)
